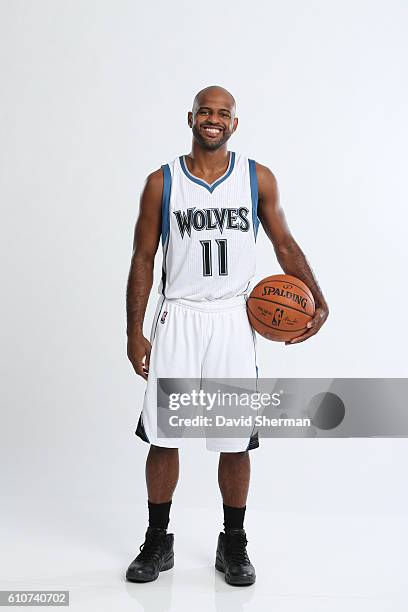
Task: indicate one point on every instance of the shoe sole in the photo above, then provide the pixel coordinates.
(166, 566)
(219, 565)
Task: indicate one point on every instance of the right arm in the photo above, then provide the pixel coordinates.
(146, 240)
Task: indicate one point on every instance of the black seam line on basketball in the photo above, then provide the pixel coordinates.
(275, 328)
(288, 282)
(279, 304)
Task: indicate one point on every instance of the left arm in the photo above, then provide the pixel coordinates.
(288, 252)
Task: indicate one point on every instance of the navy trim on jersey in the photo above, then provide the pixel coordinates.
(166, 202)
(253, 179)
(208, 186)
(164, 265)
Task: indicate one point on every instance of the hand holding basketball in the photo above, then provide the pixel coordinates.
(281, 308)
(312, 326)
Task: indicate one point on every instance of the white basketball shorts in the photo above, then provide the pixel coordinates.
(197, 339)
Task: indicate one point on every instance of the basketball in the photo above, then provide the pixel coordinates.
(279, 307)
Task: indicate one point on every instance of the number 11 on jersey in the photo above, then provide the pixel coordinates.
(207, 256)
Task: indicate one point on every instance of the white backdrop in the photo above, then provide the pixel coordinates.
(94, 96)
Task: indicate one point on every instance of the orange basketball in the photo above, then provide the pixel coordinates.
(280, 306)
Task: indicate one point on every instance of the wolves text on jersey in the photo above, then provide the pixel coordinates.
(212, 218)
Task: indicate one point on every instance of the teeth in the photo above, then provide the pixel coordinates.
(212, 130)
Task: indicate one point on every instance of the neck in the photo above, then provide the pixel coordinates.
(207, 160)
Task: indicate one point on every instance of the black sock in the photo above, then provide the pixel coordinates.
(159, 514)
(233, 517)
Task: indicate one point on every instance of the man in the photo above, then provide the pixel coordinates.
(206, 206)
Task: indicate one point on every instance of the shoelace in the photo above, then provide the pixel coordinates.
(235, 548)
(151, 547)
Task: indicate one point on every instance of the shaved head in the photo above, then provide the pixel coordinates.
(214, 91)
(212, 118)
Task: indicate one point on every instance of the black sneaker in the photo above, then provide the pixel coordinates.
(157, 556)
(232, 559)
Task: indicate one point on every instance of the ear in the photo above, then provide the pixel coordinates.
(235, 124)
(190, 119)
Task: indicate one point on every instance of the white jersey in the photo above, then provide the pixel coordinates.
(209, 231)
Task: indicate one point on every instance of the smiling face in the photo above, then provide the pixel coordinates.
(212, 119)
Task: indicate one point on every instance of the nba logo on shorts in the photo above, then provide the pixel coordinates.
(163, 317)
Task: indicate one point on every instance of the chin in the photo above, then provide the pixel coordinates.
(210, 144)
(213, 145)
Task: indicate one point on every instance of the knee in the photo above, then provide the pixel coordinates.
(163, 450)
(238, 455)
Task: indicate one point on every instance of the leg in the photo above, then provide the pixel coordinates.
(162, 472)
(233, 478)
(173, 355)
(231, 355)
(231, 555)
